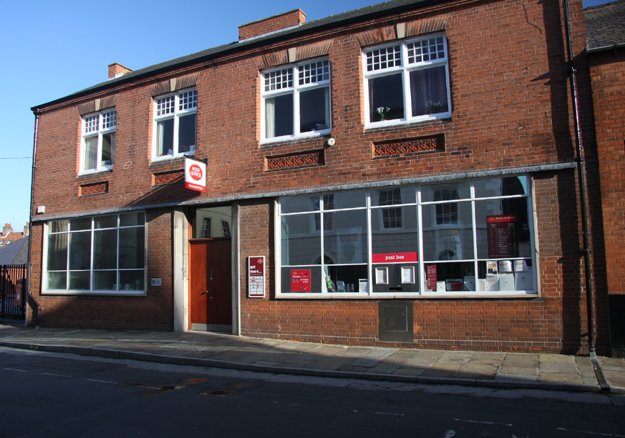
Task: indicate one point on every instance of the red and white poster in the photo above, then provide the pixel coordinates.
(395, 257)
(256, 277)
(431, 276)
(194, 174)
(300, 280)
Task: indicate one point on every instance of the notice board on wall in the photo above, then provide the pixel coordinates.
(256, 277)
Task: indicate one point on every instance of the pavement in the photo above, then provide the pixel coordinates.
(468, 368)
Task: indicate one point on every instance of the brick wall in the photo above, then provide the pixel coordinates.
(608, 85)
(272, 24)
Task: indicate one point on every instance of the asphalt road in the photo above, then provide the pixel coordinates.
(55, 395)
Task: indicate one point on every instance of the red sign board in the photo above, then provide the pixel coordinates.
(300, 280)
(431, 275)
(194, 175)
(395, 257)
(502, 236)
(256, 276)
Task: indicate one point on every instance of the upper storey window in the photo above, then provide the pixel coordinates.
(407, 81)
(175, 120)
(296, 101)
(98, 141)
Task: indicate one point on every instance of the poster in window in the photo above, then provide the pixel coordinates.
(431, 276)
(502, 232)
(300, 280)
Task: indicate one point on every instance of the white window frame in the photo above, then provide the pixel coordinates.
(298, 85)
(163, 112)
(405, 64)
(121, 290)
(96, 125)
(423, 292)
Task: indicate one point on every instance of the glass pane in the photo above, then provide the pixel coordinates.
(351, 199)
(91, 153)
(105, 249)
(57, 280)
(58, 226)
(131, 248)
(186, 134)
(301, 243)
(392, 240)
(105, 221)
(446, 192)
(165, 138)
(347, 241)
(105, 280)
(108, 149)
(450, 277)
(130, 219)
(487, 188)
(314, 109)
(80, 224)
(299, 204)
(131, 280)
(448, 241)
(79, 280)
(212, 222)
(279, 116)
(57, 252)
(80, 251)
(386, 98)
(403, 195)
(345, 278)
(503, 228)
(428, 89)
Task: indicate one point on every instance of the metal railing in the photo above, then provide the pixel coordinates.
(10, 307)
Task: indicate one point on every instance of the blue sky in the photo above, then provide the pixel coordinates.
(54, 48)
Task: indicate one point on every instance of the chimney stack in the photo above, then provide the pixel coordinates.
(6, 229)
(116, 70)
(272, 24)
(26, 229)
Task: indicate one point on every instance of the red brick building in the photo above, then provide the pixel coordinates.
(402, 174)
(605, 27)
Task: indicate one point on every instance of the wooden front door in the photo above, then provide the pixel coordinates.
(210, 284)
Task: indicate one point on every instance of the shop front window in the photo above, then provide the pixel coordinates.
(468, 237)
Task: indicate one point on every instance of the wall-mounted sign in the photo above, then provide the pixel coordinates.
(300, 280)
(502, 235)
(194, 174)
(395, 257)
(431, 276)
(256, 277)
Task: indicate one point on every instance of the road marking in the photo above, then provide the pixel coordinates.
(388, 413)
(589, 432)
(55, 375)
(101, 381)
(15, 369)
(483, 422)
(450, 433)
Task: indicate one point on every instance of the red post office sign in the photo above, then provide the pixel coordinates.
(256, 277)
(194, 174)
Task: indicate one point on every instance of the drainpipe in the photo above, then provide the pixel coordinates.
(30, 225)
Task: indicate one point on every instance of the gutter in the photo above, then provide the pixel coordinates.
(604, 48)
(581, 170)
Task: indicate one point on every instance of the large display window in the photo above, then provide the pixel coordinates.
(459, 238)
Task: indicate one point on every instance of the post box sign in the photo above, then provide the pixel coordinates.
(256, 277)
(395, 257)
(194, 174)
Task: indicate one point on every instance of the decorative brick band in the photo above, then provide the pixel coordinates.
(413, 146)
(167, 178)
(94, 189)
(303, 159)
